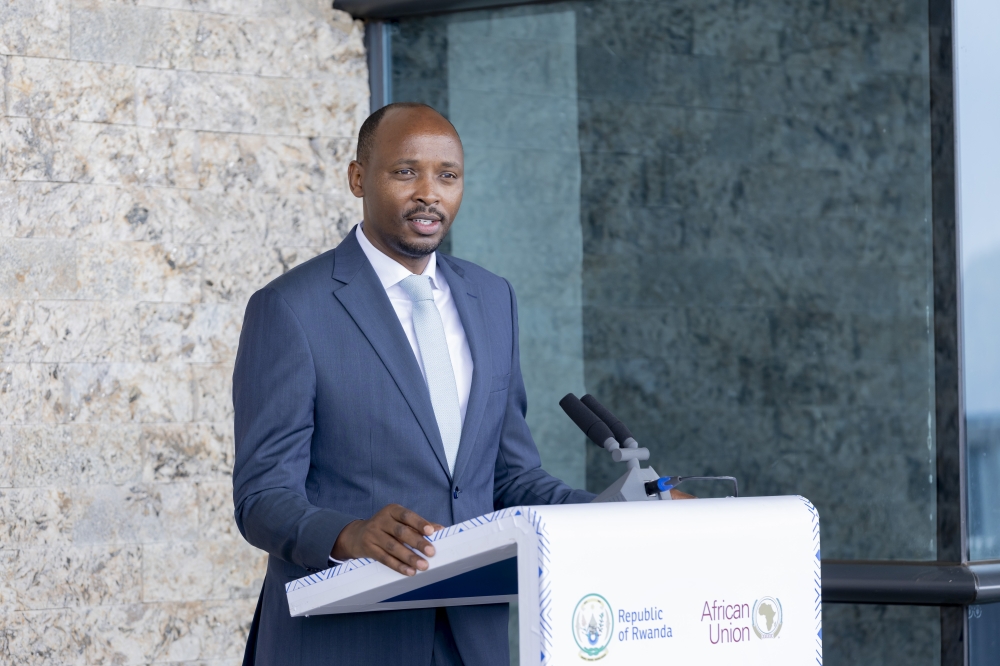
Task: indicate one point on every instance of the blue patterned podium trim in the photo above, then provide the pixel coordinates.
(351, 565)
(544, 591)
(817, 580)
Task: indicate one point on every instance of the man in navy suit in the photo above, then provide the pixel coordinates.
(378, 396)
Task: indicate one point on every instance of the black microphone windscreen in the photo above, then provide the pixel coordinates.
(585, 420)
(621, 432)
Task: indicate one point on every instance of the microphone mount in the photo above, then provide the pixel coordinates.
(608, 432)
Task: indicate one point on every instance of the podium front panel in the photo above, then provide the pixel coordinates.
(719, 581)
(726, 581)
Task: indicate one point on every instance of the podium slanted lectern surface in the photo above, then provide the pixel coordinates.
(719, 581)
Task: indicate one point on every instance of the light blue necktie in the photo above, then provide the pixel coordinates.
(440, 376)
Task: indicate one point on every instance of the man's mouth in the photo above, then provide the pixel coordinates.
(424, 223)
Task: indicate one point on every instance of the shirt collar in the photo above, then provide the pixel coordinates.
(390, 272)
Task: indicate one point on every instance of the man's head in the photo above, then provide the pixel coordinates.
(409, 170)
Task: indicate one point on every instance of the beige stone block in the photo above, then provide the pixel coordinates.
(335, 107)
(70, 90)
(171, 99)
(89, 515)
(95, 393)
(233, 274)
(201, 570)
(140, 513)
(344, 212)
(267, 164)
(213, 392)
(86, 212)
(200, 333)
(299, 220)
(260, 219)
(213, 218)
(40, 268)
(35, 28)
(169, 158)
(334, 156)
(340, 49)
(232, 7)
(172, 42)
(168, 632)
(38, 578)
(8, 208)
(282, 46)
(191, 451)
(68, 455)
(163, 4)
(4, 61)
(42, 638)
(65, 331)
(53, 150)
(239, 46)
(138, 271)
(110, 31)
(64, 151)
(215, 512)
(231, 661)
(7, 454)
(250, 104)
(35, 516)
(192, 633)
(32, 393)
(308, 108)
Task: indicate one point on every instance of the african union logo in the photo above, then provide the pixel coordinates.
(766, 617)
(593, 626)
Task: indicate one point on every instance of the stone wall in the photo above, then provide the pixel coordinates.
(758, 252)
(159, 161)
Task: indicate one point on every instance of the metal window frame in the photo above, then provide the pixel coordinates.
(391, 9)
(951, 582)
(378, 46)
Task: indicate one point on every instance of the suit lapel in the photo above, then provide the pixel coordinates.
(469, 306)
(362, 295)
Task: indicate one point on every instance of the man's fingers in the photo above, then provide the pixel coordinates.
(406, 534)
(412, 519)
(404, 554)
(380, 555)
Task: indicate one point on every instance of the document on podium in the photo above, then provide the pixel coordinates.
(721, 580)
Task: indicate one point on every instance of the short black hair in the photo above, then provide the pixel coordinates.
(366, 137)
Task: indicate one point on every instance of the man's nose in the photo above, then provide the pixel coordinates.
(426, 191)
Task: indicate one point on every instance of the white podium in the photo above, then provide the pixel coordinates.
(716, 581)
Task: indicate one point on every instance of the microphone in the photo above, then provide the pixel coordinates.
(620, 431)
(591, 425)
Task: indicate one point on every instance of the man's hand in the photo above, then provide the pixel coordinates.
(384, 538)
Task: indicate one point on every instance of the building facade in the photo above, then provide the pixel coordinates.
(739, 225)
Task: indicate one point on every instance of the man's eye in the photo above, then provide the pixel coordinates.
(449, 175)
(405, 172)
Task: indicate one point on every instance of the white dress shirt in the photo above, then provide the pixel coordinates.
(390, 273)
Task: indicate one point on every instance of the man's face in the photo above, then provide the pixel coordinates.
(412, 184)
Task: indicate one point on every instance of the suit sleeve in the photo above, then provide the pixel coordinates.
(274, 391)
(519, 479)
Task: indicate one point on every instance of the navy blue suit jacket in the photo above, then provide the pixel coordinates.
(334, 421)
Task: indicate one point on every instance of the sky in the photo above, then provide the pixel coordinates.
(977, 60)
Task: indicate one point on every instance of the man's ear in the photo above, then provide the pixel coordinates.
(355, 178)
